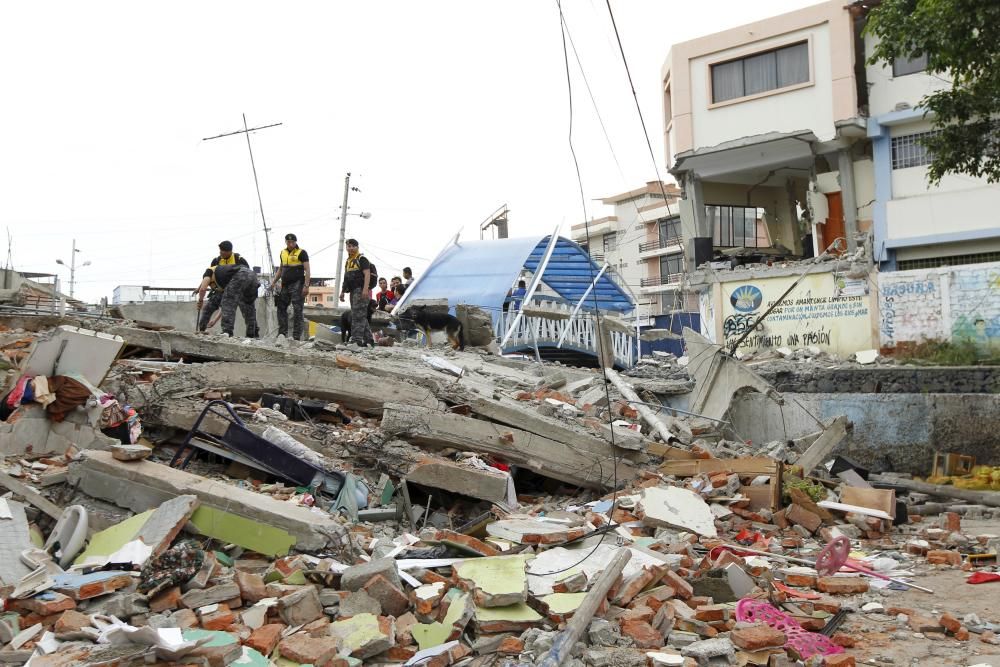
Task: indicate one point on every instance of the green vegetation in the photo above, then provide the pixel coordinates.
(960, 40)
(947, 353)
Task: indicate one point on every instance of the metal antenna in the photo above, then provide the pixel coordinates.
(246, 131)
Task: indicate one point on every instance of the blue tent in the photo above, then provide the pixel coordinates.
(480, 273)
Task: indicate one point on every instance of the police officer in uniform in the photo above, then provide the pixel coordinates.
(294, 277)
(226, 257)
(357, 277)
(239, 290)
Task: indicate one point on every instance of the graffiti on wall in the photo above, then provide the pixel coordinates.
(959, 303)
(826, 310)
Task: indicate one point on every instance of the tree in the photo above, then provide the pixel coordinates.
(961, 40)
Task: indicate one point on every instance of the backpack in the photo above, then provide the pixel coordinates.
(372, 275)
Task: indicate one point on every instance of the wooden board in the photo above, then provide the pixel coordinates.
(766, 496)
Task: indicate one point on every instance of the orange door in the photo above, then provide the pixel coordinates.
(834, 227)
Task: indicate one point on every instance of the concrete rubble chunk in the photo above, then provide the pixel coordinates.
(355, 577)
(706, 649)
(497, 581)
(300, 607)
(535, 531)
(365, 635)
(490, 484)
(675, 507)
(200, 597)
(359, 602)
(130, 452)
(144, 485)
(544, 456)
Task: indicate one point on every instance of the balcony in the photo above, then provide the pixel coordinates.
(661, 247)
(661, 281)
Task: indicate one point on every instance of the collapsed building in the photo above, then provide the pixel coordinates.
(210, 501)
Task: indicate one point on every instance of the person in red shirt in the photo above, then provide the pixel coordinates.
(385, 297)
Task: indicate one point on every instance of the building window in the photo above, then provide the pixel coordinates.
(330, 299)
(670, 265)
(908, 150)
(610, 242)
(951, 260)
(904, 66)
(669, 229)
(761, 72)
(737, 226)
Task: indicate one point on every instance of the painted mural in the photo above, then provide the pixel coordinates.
(957, 303)
(828, 310)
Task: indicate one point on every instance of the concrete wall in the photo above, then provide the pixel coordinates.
(886, 91)
(892, 432)
(691, 121)
(947, 303)
(826, 310)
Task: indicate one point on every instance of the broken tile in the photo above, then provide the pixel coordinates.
(365, 635)
(497, 581)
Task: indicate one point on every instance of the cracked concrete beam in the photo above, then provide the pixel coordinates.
(363, 392)
(143, 485)
(569, 463)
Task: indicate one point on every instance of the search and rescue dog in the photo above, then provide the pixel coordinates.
(428, 322)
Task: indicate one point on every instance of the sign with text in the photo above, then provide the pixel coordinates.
(830, 311)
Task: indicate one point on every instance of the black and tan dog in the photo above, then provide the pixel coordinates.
(427, 322)
(345, 321)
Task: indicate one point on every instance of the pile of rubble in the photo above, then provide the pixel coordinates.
(291, 505)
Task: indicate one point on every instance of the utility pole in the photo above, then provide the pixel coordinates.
(72, 270)
(343, 231)
(246, 131)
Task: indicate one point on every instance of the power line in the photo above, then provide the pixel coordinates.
(597, 312)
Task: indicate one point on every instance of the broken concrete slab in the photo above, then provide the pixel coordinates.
(14, 539)
(200, 597)
(86, 586)
(511, 618)
(155, 528)
(496, 581)
(355, 577)
(557, 559)
(492, 485)
(228, 512)
(536, 531)
(249, 380)
(546, 457)
(29, 431)
(460, 611)
(718, 377)
(300, 607)
(820, 449)
(675, 507)
(365, 635)
(504, 410)
(70, 349)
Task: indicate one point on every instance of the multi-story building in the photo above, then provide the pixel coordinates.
(641, 241)
(917, 225)
(759, 121)
(784, 141)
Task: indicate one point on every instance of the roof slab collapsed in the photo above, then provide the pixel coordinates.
(515, 512)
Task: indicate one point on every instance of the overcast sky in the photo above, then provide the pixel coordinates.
(442, 111)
